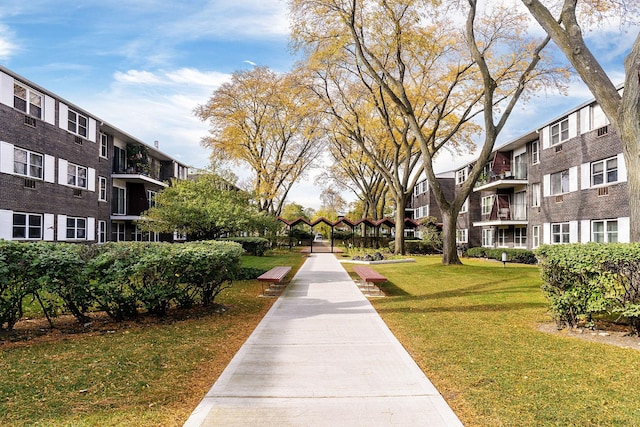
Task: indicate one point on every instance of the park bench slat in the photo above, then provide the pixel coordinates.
(369, 275)
(276, 274)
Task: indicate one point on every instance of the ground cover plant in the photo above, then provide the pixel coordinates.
(472, 329)
(145, 372)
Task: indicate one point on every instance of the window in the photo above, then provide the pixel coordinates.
(535, 195)
(102, 231)
(76, 228)
(119, 160)
(560, 132)
(520, 237)
(25, 99)
(119, 201)
(77, 123)
(461, 176)
(465, 206)
(487, 237)
(535, 230)
(462, 236)
(520, 166)
(104, 146)
(560, 233)
(503, 236)
(102, 192)
(27, 163)
(605, 231)
(27, 226)
(76, 175)
(118, 231)
(487, 205)
(151, 195)
(535, 152)
(604, 171)
(560, 182)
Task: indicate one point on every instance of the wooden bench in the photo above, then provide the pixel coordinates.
(271, 281)
(369, 276)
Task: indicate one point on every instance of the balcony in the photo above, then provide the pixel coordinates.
(514, 176)
(505, 212)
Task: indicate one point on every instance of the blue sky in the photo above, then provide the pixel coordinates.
(144, 65)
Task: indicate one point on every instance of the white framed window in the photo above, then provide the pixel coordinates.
(487, 237)
(77, 123)
(102, 189)
(76, 228)
(102, 231)
(560, 132)
(118, 231)
(604, 171)
(27, 226)
(119, 201)
(560, 233)
(535, 195)
(520, 237)
(487, 204)
(604, 231)
(151, 196)
(462, 235)
(76, 175)
(27, 163)
(461, 176)
(27, 100)
(503, 237)
(535, 152)
(560, 182)
(465, 206)
(104, 146)
(520, 166)
(535, 231)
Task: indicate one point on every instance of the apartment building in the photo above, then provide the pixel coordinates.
(66, 175)
(564, 182)
(423, 203)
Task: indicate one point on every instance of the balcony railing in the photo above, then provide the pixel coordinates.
(517, 171)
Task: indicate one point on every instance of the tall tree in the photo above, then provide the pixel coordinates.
(265, 120)
(622, 110)
(422, 63)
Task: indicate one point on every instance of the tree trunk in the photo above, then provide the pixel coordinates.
(399, 248)
(449, 247)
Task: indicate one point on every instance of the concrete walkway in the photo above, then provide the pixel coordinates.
(322, 356)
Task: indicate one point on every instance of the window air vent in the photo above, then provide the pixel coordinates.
(603, 191)
(30, 121)
(603, 130)
(558, 148)
(29, 183)
(79, 140)
(560, 199)
(77, 193)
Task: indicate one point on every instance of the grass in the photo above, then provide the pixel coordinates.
(472, 329)
(145, 375)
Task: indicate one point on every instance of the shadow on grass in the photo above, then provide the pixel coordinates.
(463, 308)
(391, 290)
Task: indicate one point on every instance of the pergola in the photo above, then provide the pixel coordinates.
(366, 222)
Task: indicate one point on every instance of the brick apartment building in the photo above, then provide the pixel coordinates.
(66, 175)
(564, 182)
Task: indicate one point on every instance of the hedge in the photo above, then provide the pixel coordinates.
(584, 280)
(522, 256)
(119, 278)
(256, 246)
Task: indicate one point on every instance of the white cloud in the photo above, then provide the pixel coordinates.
(7, 44)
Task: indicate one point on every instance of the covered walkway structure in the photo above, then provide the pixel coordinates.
(364, 223)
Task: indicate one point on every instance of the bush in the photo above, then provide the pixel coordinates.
(582, 280)
(522, 256)
(417, 247)
(256, 246)
(16, 281)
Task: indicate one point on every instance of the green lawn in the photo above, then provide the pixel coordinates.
(472, 329)
(143, 375)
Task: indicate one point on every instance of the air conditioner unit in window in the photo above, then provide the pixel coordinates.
(603, 191)
(29, 183)
(30, 121)
(558, 148)
(79, 140)
(77, 193)
(560, 198)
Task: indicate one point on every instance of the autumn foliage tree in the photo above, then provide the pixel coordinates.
(268, 122)
(426, 65)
